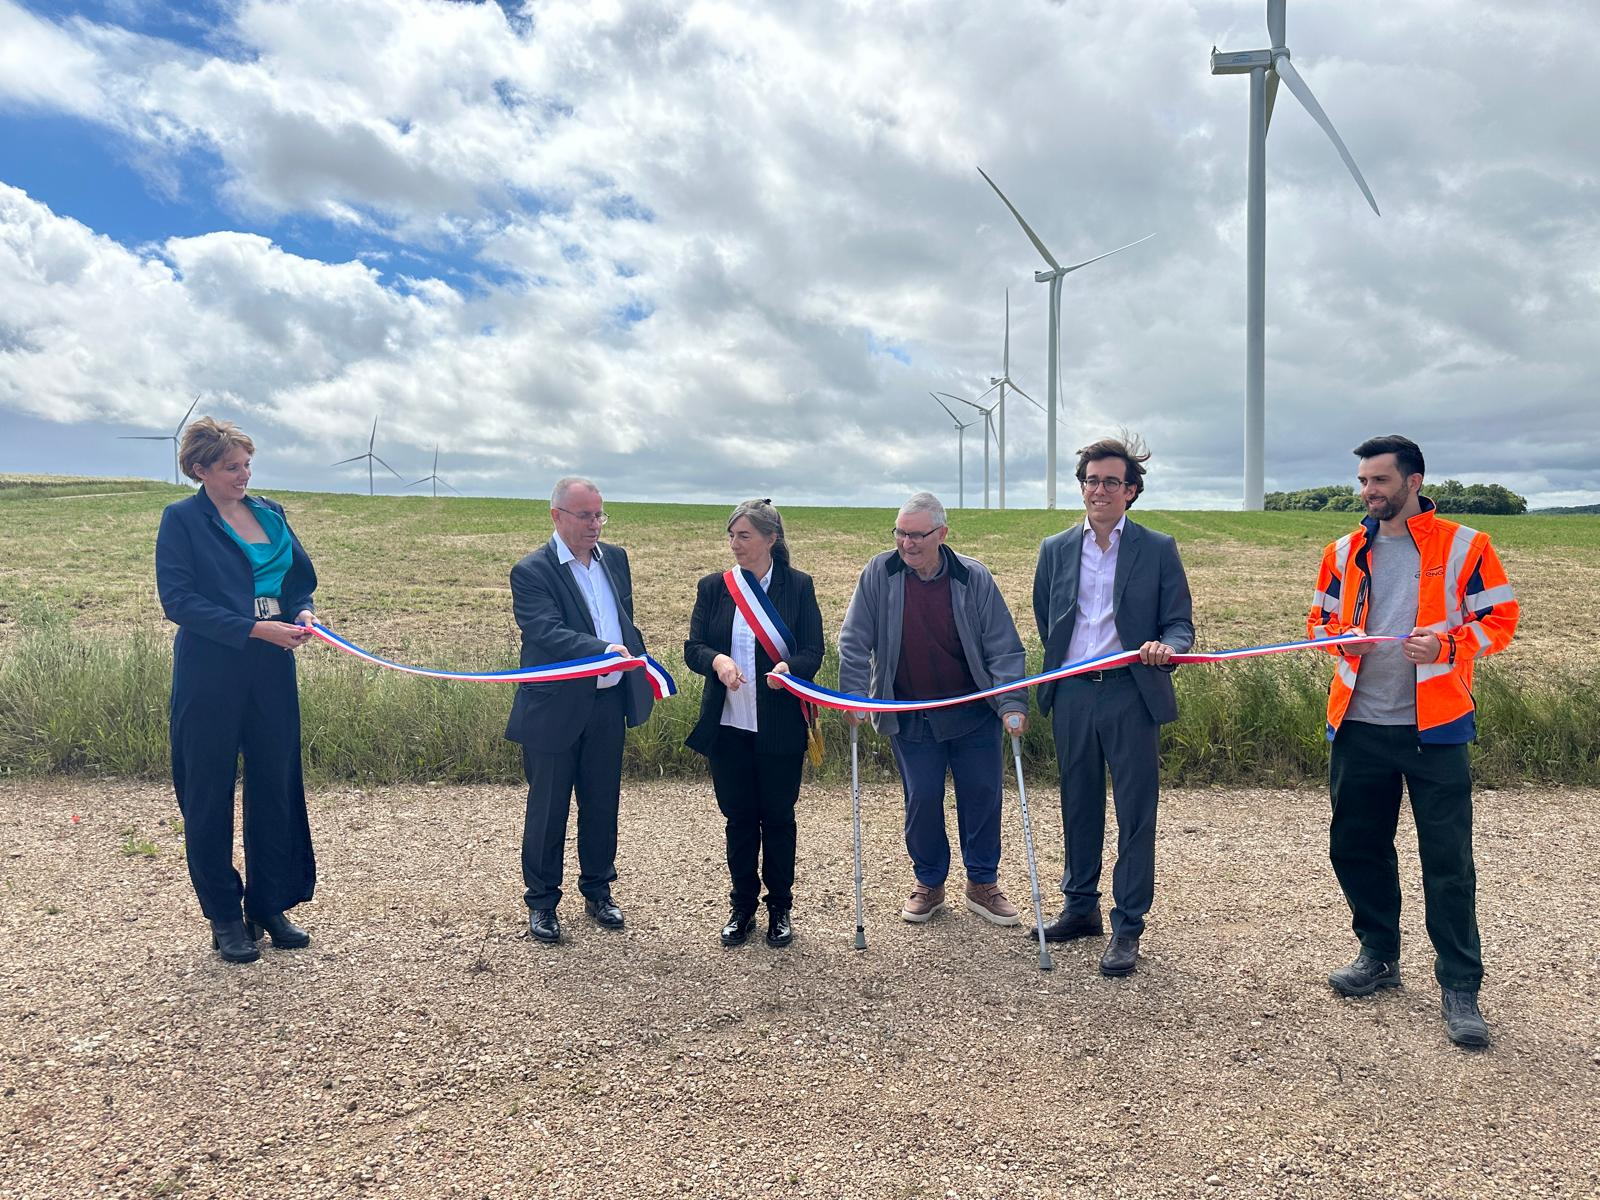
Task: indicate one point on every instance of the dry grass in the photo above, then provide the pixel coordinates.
(423, 1048)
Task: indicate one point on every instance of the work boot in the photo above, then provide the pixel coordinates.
(1067, 928)
(1462, 1020)
(923, 902)
(1365, 976)
(990, 903)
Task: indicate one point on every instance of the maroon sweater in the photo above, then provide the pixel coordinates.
(932, 663)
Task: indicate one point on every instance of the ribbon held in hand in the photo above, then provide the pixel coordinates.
(661, 682)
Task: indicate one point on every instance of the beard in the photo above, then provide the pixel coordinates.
(1390, 507)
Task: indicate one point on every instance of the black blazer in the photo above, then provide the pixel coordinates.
(556, 626)
(1150, 601)
(206, 584)
(780, 722)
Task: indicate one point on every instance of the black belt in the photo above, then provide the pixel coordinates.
(1104, 676)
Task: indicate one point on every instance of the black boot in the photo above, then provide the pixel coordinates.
(229, 939)
(741, 923)
(779, 930)
(286, 935)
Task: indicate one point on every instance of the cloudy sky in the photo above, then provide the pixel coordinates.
(707, 250)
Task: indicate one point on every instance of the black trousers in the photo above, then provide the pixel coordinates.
(757, 794)
(1367, 767)
(591, 767)
(225, 702)
(1096, 725)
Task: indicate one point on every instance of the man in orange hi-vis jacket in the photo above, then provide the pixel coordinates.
(1401, 712)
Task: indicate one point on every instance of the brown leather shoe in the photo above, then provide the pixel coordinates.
(990, 903)
(923, 902)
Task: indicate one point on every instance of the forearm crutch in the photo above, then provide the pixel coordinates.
(1033, 868)
(855, 820)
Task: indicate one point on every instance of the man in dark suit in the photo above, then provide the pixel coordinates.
(1105, 586)
(573, 598)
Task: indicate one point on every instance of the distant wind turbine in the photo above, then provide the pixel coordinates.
(371, 458)
(1053, 277)
(165, 437)
(1004, 381)
(961, 451)
(435, 476)
(1265, 68)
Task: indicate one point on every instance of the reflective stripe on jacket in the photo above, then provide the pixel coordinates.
(1463, 596)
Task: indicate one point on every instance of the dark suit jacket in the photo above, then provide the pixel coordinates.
(206, 584)
(1149, 598)
(556, 627)
(780, 722)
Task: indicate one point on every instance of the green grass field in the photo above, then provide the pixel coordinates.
(425, 580)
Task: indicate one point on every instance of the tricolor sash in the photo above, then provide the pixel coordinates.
(756, 607)
(661, 682)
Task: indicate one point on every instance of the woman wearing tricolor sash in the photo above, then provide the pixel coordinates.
(235, 580)
(750, 623)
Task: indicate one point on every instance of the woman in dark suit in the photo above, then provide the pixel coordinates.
(754, 736)
(230, 573)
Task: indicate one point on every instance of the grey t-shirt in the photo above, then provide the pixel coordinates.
(1386, 680)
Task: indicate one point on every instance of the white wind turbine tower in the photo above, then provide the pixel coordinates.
(961, 451)
(1265, 68)
(988, 430)
(165, 437)
(371, 458)
(434, 477)
(1004, 381)
(1053, 277)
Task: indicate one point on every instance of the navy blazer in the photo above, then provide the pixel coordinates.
(1150, 601)
(780, 722)
(556, 627)
(205, 581)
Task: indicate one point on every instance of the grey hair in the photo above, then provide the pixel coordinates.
(566, 483)
(765, 520)
(926, 502)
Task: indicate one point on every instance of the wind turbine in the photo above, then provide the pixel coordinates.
(165, 437)
(435, 476)
(371, 458)
(1053, 277)
(988, 430)
(1003, 381)
(1265, 68)
(961, 451)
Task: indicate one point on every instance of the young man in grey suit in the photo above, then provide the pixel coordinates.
(1105, 586)
(573, 598)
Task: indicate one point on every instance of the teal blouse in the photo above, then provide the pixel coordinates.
(269, 560)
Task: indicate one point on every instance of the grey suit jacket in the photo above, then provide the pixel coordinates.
(1150, 602)
(556, 626)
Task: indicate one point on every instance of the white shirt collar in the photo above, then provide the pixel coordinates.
(564, 552)
(1116, 530)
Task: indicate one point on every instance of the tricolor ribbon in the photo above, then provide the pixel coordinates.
(756, 607)
(661, 682)
(845, 702)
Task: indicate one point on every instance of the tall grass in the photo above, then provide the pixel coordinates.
(97, 704)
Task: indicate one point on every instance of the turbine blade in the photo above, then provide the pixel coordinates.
(1302, 93)
(947, 409)
(1005, 358)
(1275, 22)
(356, 458)
(961, 400)
(1107, 254)
(457, 491)
(1272, 94)
(1032, 236)
(1025, 396)
(424, 479)
(144, 437)
(989, 389)
(387, 467)
(371, 440)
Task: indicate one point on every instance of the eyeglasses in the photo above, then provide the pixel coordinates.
(594, 518)
(1110, 485)
(905, 535)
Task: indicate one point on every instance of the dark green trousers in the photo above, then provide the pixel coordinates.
(1368, 766)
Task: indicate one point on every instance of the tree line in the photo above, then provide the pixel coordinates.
(1451, 496)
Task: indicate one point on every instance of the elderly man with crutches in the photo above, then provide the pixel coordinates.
(927, 624)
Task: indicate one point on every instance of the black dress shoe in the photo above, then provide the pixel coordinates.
(544, 925)
(286, 935)
(1365, 976)
(780, 932)
(605, 912)
(741, 924)
(229, 939)
(1121, 957)
(1067, 927)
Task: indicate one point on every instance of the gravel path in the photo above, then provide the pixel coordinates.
(422, 1047)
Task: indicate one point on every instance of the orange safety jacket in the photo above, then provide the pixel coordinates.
(1463, 596)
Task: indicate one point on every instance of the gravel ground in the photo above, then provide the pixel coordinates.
(423, 1047)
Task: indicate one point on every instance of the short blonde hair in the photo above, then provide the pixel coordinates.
(206, 440)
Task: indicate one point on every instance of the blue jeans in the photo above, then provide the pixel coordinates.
(973, 761)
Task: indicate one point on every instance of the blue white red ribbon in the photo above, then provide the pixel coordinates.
(823, 697)
(756, 607)
(661, 682)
